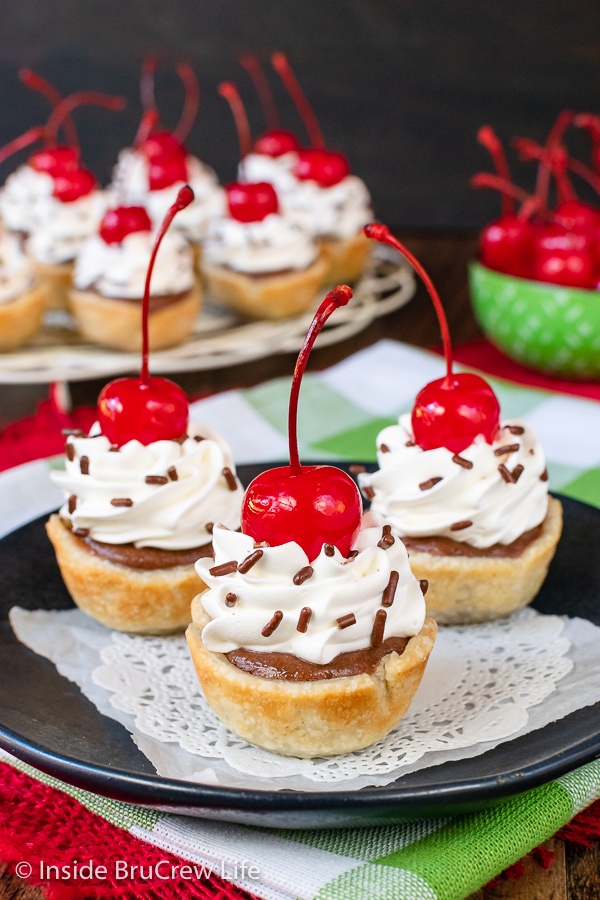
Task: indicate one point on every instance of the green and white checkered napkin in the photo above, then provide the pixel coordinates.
(341, 411)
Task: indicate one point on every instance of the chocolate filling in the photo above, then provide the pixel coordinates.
(260, 275)
(147, 558)
(287, 667)
(157, 302)
(443, 546)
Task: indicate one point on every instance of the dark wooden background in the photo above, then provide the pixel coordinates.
(400, 86)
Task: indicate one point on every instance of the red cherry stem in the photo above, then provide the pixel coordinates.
(488, 180)
(487, 136)
(252, 66)
(292, 85)
(382, 233)
(19, 143)
(554, 138)
(339, 296)
(150, 116)
(191, 103)
(84, 98)
(585, 173)
(591, 122)
(36, 83)
(183, 199)
(228, 90)
(554, 159)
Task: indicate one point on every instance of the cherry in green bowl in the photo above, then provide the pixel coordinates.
(548, 327)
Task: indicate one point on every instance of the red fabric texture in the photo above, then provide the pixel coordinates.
(40, 435)
(40, 827)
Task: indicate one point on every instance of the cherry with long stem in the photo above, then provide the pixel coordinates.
(310, 505)
(147, 408)
(247, 201)
(451, 411)
(488, 138)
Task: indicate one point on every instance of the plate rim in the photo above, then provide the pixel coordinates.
(193, 797)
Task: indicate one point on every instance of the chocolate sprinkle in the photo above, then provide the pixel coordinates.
(507, 448)
(303, 619)
(368, 492)
(544, 475)
(384, 448)
(431, 482)
(226, 568)
(261, 544)
(230, 599)
(424, 585)
(121, 501)
(346, 621)
(378, 628)
(410, 444)
(198, 438)
(209, 527)
(328, 549)
(113, 448)
(181, 439)
(172, 473)
(155, 479)
(70, 451)
(506, 474)
(352, 555)
(516, 429)
(251, 560)
(229, 478)
(458, 526)
(517, 472)
(389, 592)
(84, 465)
(303, 575)
(72, 503)
(461, 461)
(272, 624)
(387, 529)
(80, 532)
(386, 541)
(356, 469)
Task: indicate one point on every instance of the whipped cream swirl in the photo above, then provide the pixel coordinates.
(16, 270)
(176, 489)
(119, 270)
(489, 494)
(20, 196)
(130, 187)
(343, 596)
(335, 212)
(273, 245)
(60, 228)
(275, 170)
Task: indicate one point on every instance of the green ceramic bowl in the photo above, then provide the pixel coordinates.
(547, 327)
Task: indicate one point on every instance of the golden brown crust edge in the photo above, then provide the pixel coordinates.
(346, 258)
(21, 318)
(118, 324)
(271, 297)
(57, 280)
(464, 590)
(314, 718)
(144, 602)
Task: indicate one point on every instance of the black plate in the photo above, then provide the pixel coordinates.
(46, 721)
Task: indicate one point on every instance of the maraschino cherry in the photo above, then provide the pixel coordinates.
(451, 411)
(123, 220)
(311, 505)
(275, 141)
(247, 201)
(165, 150)
(326, 167)
(146, 409)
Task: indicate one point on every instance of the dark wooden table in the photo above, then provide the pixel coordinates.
(575, 872)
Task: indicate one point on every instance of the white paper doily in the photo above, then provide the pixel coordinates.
(483, 685)
(219, 338)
